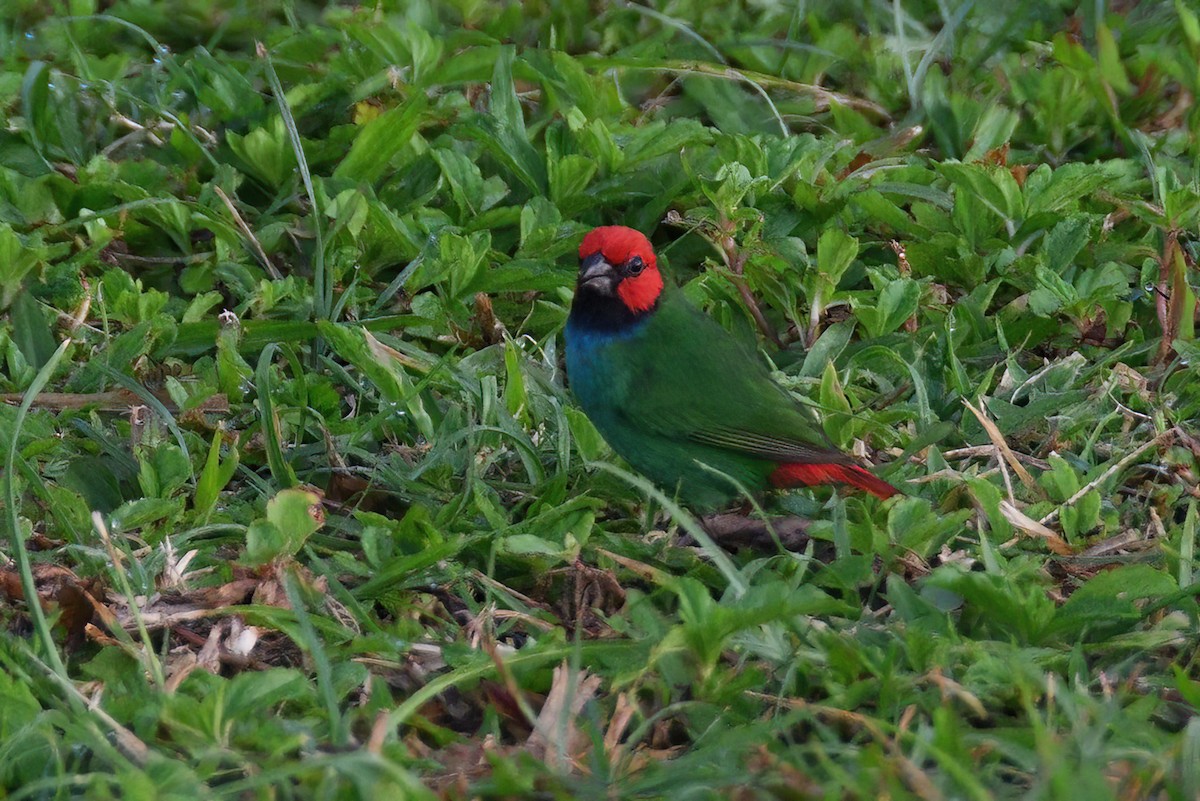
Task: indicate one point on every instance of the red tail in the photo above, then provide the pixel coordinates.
(807, 475)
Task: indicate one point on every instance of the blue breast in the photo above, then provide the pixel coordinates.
(592, 357)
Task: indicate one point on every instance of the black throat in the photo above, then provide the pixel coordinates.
(603, 314)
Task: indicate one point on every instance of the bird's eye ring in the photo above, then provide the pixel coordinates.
(635, 265)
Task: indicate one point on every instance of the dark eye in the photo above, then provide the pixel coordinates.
(635, 265)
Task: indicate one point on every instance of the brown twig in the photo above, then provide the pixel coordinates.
(492, 329)
(823, 97)
(1124, 462)
(1027, 525)
(249, 234)
(1164, 302)
(118, 400)
(912, 775)
(1170, 295)
(997, 439)
(191, 258)
(990, 450)
(910, 325)
(733, 530)
(735, 259)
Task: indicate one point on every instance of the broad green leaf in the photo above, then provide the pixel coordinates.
(1065, 241)
(835, 251)
(266, 152)
(1189, 22)
(516, 398)
(473, 194)
(1111, 64)
(1111, 602)
(897, 303)
(35, 103)
(380, 140)
(18, 258)
(529, 544)
(215, 475)
(569, 176)
(292, 516)
(503, 131)
(835, 409)
(163, 470)
(587, 439)
(993, 130)
(31, 330)
(827, 348)
(138, 514)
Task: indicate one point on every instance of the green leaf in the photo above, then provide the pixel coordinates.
(163, 470)
(993, 186)
(380, 140)
(587, 439)
(570, 176)
(20, 706)
(827, 348)
(1052, 293)
(460, 258)
(18, 258)
(266, 152)
(530, 545)
(1065, 241)
(385, 367)
(993, 130)
(35, 103)
(914, 525)
(897, 303)
(1187, 546)
(835, 409)
(937, 197)
(234, 374)
(542, 230)
(215, 475)
(349, 211)
(1081, 517)
(503, 131)
(1060, 481)
(835, 252)
(516, 397)
(995, 607)
(1109, 602)
(1189, 22)
(729, 188)
(1112, 67)
(293, 515)
(1059, 190)
(281, 469)
(140, 513)
(473, 194)
(31, 330)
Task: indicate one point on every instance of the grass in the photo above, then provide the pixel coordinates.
(308, 510)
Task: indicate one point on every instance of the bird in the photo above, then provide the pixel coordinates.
(683, 401)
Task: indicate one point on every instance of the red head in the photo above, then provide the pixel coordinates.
(615, 261)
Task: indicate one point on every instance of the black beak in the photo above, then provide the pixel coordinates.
(597, 275)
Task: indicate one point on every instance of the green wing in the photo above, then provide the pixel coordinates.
(692, 381)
